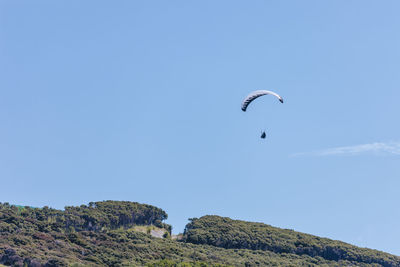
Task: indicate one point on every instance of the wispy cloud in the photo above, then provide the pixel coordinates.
(372, 148)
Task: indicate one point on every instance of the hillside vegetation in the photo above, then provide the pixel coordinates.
(118, 233)
(235, 234)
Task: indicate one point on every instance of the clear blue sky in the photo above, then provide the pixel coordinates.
(140, 101)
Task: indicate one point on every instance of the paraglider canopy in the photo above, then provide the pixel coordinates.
(257, 94)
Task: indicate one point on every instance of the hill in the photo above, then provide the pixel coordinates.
(121, 233)
(235, 234)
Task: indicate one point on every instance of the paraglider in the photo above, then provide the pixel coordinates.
(263, 135)
(256, 94)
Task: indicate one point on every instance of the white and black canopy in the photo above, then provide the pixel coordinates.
(256, 94)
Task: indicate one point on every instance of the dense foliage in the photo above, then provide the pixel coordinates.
(94, 217)
(113, 233)
(235, 234)
(171, 263)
